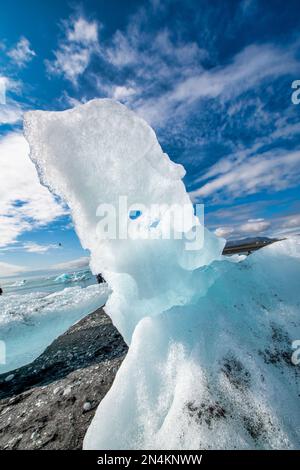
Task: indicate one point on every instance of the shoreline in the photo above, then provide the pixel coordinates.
(49, 403)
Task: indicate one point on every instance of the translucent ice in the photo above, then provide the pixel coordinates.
(210, 340)
(92, 155)
(29, 322)
(216, 374)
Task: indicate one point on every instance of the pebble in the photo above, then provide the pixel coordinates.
(67, 391)
(9, 377)
(34, 435)
(87, 406)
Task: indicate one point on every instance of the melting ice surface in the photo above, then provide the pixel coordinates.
(34, 312)
(209, 363)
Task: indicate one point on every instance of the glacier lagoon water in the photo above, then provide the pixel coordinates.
(34, 311)
(209, 363)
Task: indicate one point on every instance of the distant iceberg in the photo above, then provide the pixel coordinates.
(66, 277)
(209, 364)
(73, 277)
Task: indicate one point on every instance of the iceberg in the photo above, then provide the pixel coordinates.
(209, 363)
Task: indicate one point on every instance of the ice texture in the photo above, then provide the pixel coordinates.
(216, 374)
(209, 363)
(29, 322)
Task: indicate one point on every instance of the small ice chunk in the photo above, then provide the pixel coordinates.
(67, 391)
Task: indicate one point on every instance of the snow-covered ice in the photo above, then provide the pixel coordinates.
(210, 339)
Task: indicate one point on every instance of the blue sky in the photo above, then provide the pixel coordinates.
(212, 78)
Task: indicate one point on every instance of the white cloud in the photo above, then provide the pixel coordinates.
(82, 31)
(76, 49)
(7, 269)
(73, 264)
(237, 177)
(223, 231)
(10, 113)
(122, 92)
(22, 53)
(24, 203)
(255, 226)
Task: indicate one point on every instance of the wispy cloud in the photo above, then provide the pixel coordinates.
(247, 69)
(75, 50)
(165, 77)
(32, 247)
(148, 62)
(171, 75)
(274, 170)
(28, 247)
(22, 53)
